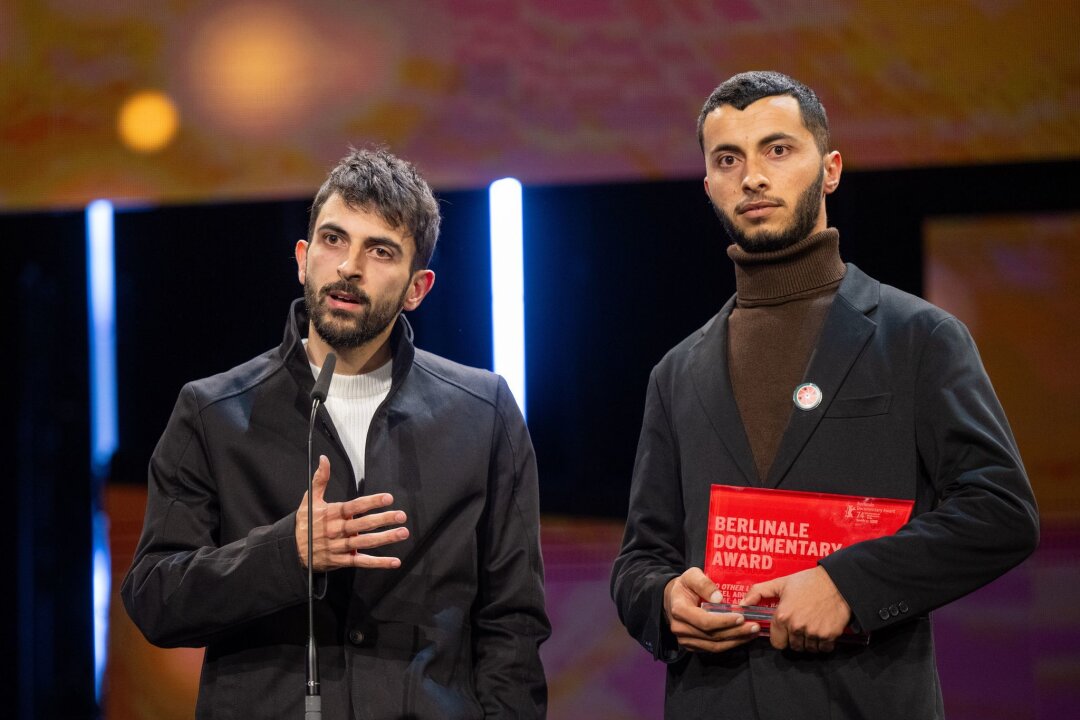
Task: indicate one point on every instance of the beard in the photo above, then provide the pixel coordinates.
(344, 330)
(806, 215)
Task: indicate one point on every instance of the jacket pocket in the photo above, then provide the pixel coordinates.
(859, 406)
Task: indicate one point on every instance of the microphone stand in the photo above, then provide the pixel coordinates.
(313, 698)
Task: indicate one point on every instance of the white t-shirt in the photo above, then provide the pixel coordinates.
(352, 401)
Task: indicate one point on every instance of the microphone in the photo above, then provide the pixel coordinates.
(322, 385)
(313, 699)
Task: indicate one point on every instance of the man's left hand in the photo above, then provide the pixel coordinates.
(811, 614)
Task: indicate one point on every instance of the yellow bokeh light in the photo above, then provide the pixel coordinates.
(148, 121)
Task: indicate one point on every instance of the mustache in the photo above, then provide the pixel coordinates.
(347, 288)
(759, 199)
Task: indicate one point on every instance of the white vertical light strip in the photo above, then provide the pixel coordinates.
(508, 285)
(104, 432)
(101, 283)
(102, 587)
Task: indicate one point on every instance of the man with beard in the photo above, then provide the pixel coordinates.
(425, 502)
(894, 404)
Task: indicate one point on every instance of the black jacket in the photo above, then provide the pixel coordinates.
(907, 412)
(453, 633)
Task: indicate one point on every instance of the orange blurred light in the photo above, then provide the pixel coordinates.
(254, 66)
(148, 121)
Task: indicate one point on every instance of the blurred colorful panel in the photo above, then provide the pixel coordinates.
(256, 99)
(1015, 282)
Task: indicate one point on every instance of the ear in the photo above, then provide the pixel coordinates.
(420, 285)
(301, 260)
(834, 165)
(707, 187)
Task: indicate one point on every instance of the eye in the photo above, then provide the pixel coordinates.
(779, 150)
(382, 252)
(726, 161)
(332, 239)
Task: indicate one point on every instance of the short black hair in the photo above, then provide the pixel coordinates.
(376, 181)
(749, 87)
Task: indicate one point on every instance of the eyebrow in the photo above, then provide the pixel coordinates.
(332, 227)
(371, 239)
(384, 240)
(767, 140)
(725, 148)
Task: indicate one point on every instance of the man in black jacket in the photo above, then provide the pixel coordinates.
(814, 377)
(425, 501)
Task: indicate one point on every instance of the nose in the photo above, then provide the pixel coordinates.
(754, 182)
(351, 268)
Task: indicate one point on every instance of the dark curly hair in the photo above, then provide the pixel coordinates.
(749, 87)
(379, 182)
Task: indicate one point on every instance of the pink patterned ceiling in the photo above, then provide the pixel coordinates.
(270, 93)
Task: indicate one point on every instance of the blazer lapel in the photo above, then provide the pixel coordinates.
(843, 336)
(712, 383)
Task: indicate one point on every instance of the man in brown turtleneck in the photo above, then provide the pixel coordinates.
(902, 409)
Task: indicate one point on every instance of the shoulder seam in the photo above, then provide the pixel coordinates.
(417, 363)
(277, 367)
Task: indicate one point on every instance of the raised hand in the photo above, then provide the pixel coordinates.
(341, 530)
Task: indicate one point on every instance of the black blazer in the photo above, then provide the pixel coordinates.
(453, 633)
(907, 412)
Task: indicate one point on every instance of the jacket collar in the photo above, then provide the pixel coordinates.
(295, 358)
(845, 332)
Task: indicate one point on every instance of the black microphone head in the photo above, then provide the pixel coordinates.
(326, 374)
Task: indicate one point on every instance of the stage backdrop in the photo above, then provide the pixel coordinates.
(1006, 652)
(237, 99)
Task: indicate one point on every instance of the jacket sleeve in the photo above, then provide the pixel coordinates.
(184, 586)
(652, 551)
(509, 620)
(984, 520)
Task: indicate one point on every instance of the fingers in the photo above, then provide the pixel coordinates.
(724, 631)
(345, 552)
(347, 532)
(374, 521)
(354, 542)
(787, 634)
(700, 584)
(350, 558)
(762, 591)
(697, 629)
(780, 638)
(694, 644)
(373, 562)
(799, 641)
(365, 503)
(320, 479)
(811, 613)
(367, 541)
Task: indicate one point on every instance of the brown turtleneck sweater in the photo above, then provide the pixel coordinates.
(780, 305)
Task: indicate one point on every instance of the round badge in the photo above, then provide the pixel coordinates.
(807, 396)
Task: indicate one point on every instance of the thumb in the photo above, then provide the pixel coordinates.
(761, 591)
(320, 479)
(701, 585)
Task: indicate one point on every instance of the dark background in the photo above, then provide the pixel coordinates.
(615, 275)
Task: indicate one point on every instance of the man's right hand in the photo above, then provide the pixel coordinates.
(701, 630)
(341, 530)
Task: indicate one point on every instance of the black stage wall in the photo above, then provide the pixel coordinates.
(615, 275)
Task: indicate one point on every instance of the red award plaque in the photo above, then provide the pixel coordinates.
(757, 534)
